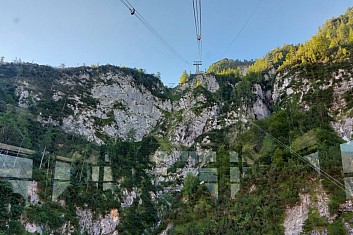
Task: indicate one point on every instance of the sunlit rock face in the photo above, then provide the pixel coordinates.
(123, 108)
(90, 223)
(114, 103)
(97, 105)
(336, 86)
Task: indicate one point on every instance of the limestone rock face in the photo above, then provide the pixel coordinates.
(112, 105)
(207, 81)
(260, 106)
(193, 125)
(280, 85)
(124, 108)
(336, 85)
(296, 216)
(33, 228)
(116, 104)
(199, 115)
(26, 97)
(129, 197)
(343, 83)
(102, 225)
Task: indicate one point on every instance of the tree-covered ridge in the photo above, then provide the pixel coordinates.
(228, 67)
(332, 43)
(273, 59)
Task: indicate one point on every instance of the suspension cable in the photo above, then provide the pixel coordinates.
(196, 6)
(242, 28)
(153, 31)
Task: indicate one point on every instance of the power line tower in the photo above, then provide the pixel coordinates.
(197, 65)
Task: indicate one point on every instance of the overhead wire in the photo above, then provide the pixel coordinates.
(196, 6)
(243, 27)
(197, 21)
(126, 4)
(153, 31)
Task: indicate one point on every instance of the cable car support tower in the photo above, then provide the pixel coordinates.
(196, 6)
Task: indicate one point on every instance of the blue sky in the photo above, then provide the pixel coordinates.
(74, 32)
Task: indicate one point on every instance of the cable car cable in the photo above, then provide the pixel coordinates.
(149, 27)
(196, 5)
(243, 27)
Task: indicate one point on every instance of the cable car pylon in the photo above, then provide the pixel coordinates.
(196, 6)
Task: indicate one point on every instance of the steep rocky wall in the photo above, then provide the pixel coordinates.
(126, 109)
(193, 125)
(200, 115)
(262, 102)
(296, 216)
(110, 104)
(287, 84)
(113, 104)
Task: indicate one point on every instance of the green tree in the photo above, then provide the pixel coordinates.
(190, 186)
(350, 37)
(131, 135)
(184, 78)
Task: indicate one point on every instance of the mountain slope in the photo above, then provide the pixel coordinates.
(135, 147)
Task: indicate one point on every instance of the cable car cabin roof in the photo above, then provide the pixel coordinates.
(15, 150)
(64, 159)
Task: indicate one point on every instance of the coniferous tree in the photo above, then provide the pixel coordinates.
(184, 78)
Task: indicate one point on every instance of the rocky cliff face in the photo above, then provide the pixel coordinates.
(124, 110)
(96, 104)
(105, 102)
(334, 87)
(297, 215)
(196, 111)
(111, 102)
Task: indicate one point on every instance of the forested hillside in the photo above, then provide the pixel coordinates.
(249, 147)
